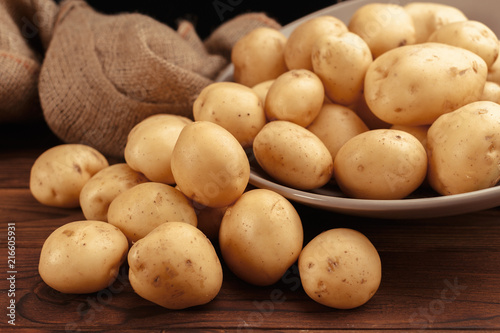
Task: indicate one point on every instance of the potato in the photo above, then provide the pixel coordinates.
(258, 56)
(233, 106)
(415, 84)
(260, 236)
(298, 47)
(209, 165)
(262, 88)
(150, 143)
(491, 92)
(380, 164)
(59, 173)
(420, 132)
(296, 96)
(98, 192)
(293, 155)
(175, 266)
(463, 148)
(428, 17)
(367, 115)
(82, 257)
(335, 125)
(340, 268)
(494, 71)
(143, 207)
(341, 63)
(470, 35)
(383, 26)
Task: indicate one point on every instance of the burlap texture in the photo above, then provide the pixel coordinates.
(102, 74)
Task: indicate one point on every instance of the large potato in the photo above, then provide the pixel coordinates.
(237, 108)
(340, 268)
(175, 266)
(258, 56)
(260, 236)
(59, 174)
(209, 165)
(150, 143)
(143, 207)
(82, 257)
(463, 148)
(380, 164)
(293, 155)
(415, 84)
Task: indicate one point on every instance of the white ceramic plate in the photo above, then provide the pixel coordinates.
(421, 204)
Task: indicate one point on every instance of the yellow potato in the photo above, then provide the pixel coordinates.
(98, 192)
(233, 106)
(295, 96)
(59, 174)
(175, 266)
(340, 268)
(293, 155)
(262, 88)
(420, 132)
(82, 257)
(463, 148)
(209, 165)
(494, 71)
(150, 144)
(380, 164)
(415, 84)
(491, 92)
(260, 236)
(143, 207)
(258, 56)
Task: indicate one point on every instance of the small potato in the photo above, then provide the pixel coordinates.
(494, 71)
(262, 88)
(298, 47)
(383, 26)
(258, 56)
(470, 35)
(420, 132)
(415, 84)
(209, 165)
(58, 174)
(491, 92)
(296, 96)
(340, 268)
(100, 190)
(428, 17)
(143, 207)
(260, 237)
(335, 125)
(463, 148)
(233, 106)
(82, 257)
(341, 63)
(380, 164)
(150, 144)
(175, 266)
(293, 155)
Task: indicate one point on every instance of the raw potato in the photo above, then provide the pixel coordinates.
(428, 17)
(491, 92)
(420, 132)
(335, 125)
(233, 106)
(298, 47)
(82, 257)
(470, 35)
(59, 174)
(380, 164)
(258, 56)
(143, 207)
(340, 268)
(383, 26)
(494, 71)
(415, 84)
(293, 155)
(364, 112)
(296, 96)
(341, 63)
(100, 190)
(175, 266)
(262, 88)
(150, 144)
(463, 148)
(209, 165)
(260, 237)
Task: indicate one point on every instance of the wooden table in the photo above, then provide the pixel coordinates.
(441, 274)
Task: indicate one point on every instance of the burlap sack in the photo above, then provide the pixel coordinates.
(102, 74)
